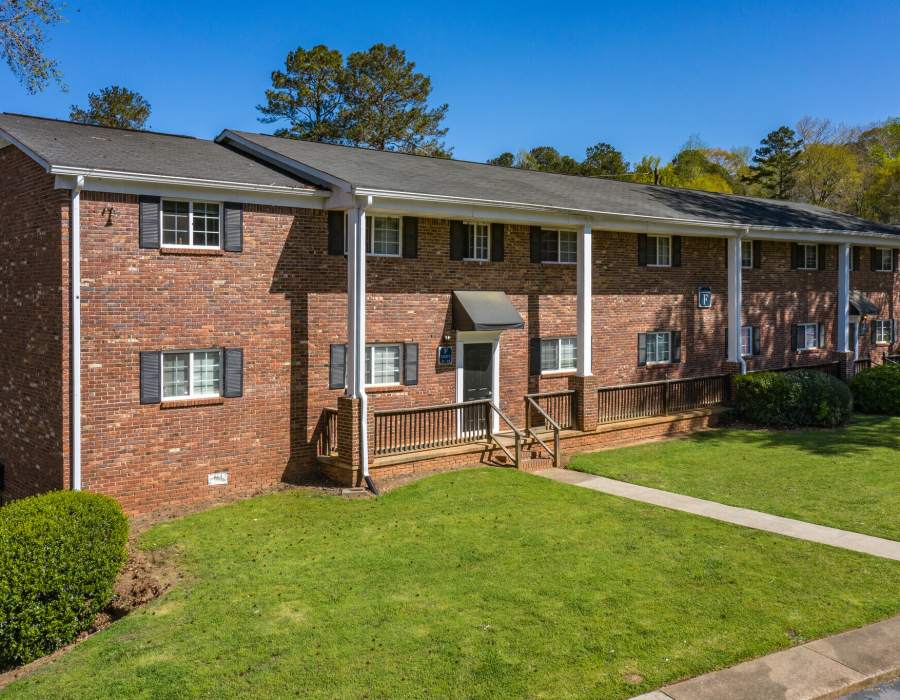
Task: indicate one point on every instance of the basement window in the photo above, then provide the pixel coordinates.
(383, 365)
(191, 224)
(558, 354)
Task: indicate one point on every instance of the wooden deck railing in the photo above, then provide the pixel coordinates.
(327, 432)
(832, 368)
(861, 364)
(558, 405)
(632, 401)
(428, 427)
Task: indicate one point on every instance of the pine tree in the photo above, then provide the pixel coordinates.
(113, 106)
(776, 162)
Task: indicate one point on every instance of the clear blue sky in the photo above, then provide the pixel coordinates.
(642, 76)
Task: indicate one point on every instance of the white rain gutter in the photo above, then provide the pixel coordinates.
(75, 336)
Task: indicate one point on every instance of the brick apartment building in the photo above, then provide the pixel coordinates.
(184, 318)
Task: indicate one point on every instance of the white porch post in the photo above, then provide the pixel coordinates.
(584, 364)
(735, 303)
(356, 324)
(843, 334)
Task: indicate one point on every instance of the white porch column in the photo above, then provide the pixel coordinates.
(735, 302)
(584, 364)
(843, 330)
(356, 324)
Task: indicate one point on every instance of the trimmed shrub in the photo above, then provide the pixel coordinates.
(790, 399)
(60, 553)
(877, 390)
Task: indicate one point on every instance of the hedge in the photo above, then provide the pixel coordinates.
(791, 399)
(60, 553)
(877, 390)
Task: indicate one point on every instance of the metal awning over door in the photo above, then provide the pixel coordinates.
(484, 311)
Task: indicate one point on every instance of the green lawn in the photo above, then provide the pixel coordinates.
(847, 478)
(484, 583)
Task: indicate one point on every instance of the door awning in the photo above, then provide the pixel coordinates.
(861, 306)
(484, 311)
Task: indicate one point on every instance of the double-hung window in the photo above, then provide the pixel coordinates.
(383, 236)
(478, 241)
(884, 259)
(191, 374)
(191, 224)
(808, 256)
(747, 254)
(882, 332)
(558, 354)
(808, 336)
(660, 251)
(659, 348)
(383, 364)
(559, 246)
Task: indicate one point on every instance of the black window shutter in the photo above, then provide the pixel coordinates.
(795, 343)
(856, 258)
(457, 240)
(497, 243)
(757, 254)
(756, 344)
(894, 331)
(410, 237)
(233, 386)
(820, 257)
(896, 258)
(148, 221)
(874, 330)
(151, 384)
(795, 256)
(336, 237)
(676, 346)
(535, 244)
(534, 356)
(642, 249)
(820, 335)
(234, 227)
(410, 364)
(642, 349)
(676, 251)
(337, 366)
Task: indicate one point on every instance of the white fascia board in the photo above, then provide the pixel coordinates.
(6, 139)
(245, 193)
(314, 175)
(441, 206)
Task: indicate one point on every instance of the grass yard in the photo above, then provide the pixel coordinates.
(847, 478)
(485, 583)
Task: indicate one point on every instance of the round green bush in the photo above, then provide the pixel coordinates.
(60, 553)
(877, 390)
(791, 399)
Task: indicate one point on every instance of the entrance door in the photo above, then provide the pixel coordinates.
(478, 382)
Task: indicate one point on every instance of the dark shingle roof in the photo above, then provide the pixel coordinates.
(384, 170)
(61, 143)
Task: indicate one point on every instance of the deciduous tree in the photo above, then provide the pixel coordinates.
(22, 27)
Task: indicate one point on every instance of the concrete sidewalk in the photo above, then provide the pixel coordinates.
(826, 668)
(867, 544)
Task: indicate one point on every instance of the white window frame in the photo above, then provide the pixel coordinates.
(190, 203)
(747, 331)
(885, 254)
(748, 245)
(370, 353)
(559, 232)
(370, 236)
(883, 331)
(656, 243)
(191, 395)
(654, 335)
(559, 368)
(804, 247)
(806, 327)
(471, 230)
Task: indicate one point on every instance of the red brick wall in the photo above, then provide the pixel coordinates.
(32, 264)
(883, 290)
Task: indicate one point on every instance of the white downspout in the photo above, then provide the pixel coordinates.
(735, 302)
(75, 336)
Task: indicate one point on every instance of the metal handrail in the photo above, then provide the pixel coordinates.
(554, 453)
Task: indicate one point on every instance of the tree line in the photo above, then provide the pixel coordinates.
(377, 99)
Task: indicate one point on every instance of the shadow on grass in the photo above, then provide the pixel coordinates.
(862, 434)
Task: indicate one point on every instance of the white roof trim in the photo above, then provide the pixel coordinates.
(319, 177)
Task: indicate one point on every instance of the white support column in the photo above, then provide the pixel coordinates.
(584, 366)
(735, 302)
(356, 324)
(843, 334)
